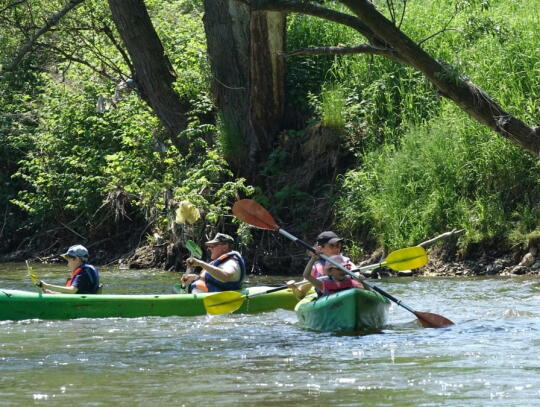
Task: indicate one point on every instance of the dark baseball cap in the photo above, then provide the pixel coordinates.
(327, 237)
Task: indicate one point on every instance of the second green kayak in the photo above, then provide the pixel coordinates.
(18, 305)
(346, 311)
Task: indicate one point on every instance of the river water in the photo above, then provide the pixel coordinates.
(491, 357)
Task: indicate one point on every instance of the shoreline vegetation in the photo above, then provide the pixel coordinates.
(325, 133)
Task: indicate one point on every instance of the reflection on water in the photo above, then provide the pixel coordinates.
(490, 357)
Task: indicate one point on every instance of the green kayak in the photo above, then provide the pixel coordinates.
(18, 305)
(346, 311)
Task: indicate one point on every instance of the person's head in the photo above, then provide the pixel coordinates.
(336, 273)
(76, 255)
(328, 243)
(219, 245)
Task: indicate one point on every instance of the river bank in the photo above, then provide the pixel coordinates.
(445, 260)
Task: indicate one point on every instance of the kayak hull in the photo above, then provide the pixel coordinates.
(346, 311)
(20, 305)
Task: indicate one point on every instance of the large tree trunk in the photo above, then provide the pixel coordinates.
(153, 72)
(465, 94)
(248, 77)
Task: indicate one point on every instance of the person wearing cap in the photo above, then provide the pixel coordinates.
(327, 243)
(226, 270)
(84, 278)
(335, 278)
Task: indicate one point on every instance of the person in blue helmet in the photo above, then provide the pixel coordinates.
(84, 278)
(226, 270)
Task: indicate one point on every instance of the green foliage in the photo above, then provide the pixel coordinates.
(432, 169)
(332, 108)
(375, 95)
(78, 163)
(230, 140)
(64, 165)
(307, 74)
(422, 168)
(179, 27)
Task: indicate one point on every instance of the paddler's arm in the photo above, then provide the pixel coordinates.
(53, 289)
(309, 277)
(217, 272)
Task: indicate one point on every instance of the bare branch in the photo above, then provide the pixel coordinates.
(360, 49)
(11, 5)
(71, 57)
(445, 28)
(391, 10)
(51, 22)
(452, 233)
(403, 10)
(438, 33)
(108, 32)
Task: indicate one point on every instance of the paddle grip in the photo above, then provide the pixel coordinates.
(273, 290)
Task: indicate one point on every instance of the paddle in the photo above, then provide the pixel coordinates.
(33, 276)
(251, 212)
(229, 301)
(194, 251)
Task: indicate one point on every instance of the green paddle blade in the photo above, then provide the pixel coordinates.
(406, 259)
(223, 302)
(194, 249)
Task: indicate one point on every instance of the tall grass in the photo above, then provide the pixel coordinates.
(425, 166)
(444, 175)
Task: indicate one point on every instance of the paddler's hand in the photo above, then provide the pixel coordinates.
(291, 284)
(187, 278)
(359, 276)
(192, 262)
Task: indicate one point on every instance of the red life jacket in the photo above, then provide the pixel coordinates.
(93, 279)
(330, 286)
(75, 273)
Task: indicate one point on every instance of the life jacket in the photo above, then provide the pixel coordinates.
(209, 283)
(92, 274)
(330, 286)
(317, 270)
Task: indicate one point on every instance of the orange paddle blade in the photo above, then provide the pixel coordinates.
(251, 212)
(429, 320)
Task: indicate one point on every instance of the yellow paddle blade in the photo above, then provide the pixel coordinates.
(406, 259)
(31, 273)
(223, 302)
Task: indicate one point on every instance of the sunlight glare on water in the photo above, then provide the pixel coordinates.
(490, 357)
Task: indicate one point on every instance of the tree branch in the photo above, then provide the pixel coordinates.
(81, 61)
(317, 11)
(360, 49)
(51, 22)
(108, 32)
(11, 5)
(430, 242)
